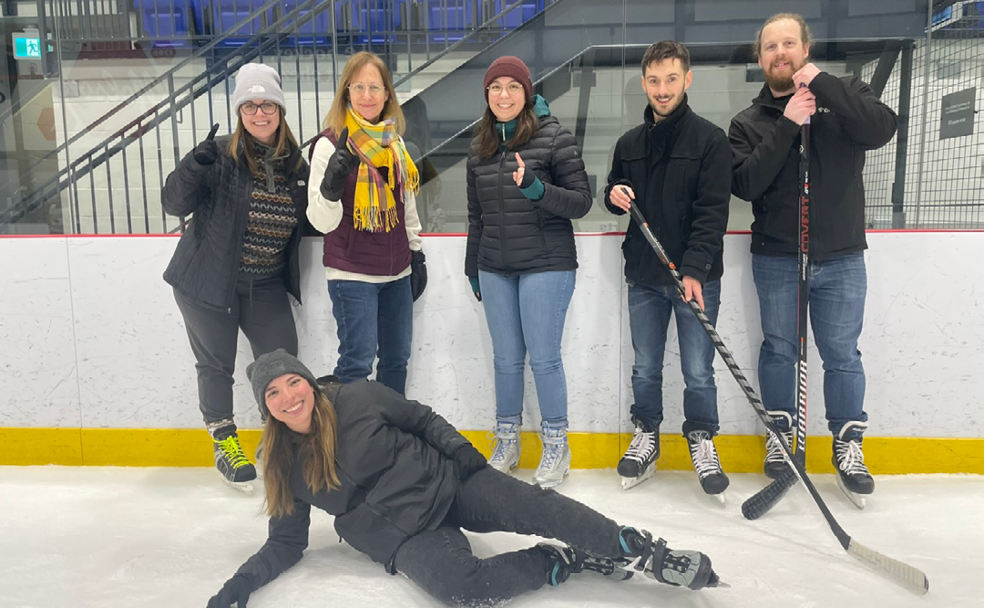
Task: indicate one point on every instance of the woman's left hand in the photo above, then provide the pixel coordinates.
(519, 175)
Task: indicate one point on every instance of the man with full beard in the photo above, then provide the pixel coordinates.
(675, 167)
(847, 120)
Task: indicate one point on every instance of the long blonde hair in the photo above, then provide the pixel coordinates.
(335, 119)
(317, 451)
(242, 141)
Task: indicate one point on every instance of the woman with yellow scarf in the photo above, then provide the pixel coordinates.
(362, 197)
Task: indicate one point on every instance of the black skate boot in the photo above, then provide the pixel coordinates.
(690, 569)
(639, 462)
(230, 460)
(775, 458)
(853, 477)
(704, 456)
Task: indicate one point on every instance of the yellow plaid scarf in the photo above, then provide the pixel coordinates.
(378, 145)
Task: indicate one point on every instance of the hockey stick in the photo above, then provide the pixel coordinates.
(760, 503)
(907, 576)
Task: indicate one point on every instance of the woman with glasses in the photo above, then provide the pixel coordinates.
(238, 258)
(362, 197)
(526, 182)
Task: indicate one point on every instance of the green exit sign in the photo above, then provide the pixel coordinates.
(27, 47)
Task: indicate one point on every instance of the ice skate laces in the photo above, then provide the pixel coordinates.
(850, 458)
(642, 447)
(232, 451)
(703, 454)
(553, 448)
(773, 449)
(503, 442)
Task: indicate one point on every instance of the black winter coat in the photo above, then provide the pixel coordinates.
(393, 460)
(205, 264)
(680, 171)
(509, 234)
(850, 119)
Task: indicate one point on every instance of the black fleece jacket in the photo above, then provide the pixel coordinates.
(850, 119)
(679, 170)
(205, 264)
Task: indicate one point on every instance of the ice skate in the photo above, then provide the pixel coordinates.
(555, 462)
(232, 464)
(706, 463)
(505, 447)
(639, 462)
(690, 569)
(775, 458)
(853, 477)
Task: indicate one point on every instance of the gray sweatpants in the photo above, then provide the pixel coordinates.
(262, 310)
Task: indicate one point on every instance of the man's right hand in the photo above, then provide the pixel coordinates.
(337, 170)
(208, 151)
(621, 197)
(801, 106)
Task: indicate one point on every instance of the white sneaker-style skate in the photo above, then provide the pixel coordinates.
(555, 462)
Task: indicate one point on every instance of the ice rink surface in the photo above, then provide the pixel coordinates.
(165, 537)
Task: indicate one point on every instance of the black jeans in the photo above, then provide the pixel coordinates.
(441, 561)
(262, 310)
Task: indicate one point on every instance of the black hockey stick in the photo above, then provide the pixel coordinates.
(760, 503)
(907, 576)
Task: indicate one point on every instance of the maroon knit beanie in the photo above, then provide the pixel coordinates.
(513, 67)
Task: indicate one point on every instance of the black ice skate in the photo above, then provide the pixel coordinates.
(639, 462)
(853, 477)
(690, 569)
(231, 462)
(704, 456)
(775, 459)
(566, 561)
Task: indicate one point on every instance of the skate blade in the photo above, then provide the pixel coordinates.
(720, 498)
(856, 499)
(722, 585)
(246, 487)
(631, 482)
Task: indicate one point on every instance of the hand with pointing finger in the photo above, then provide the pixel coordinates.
(208, 151)
(337, 170)
(522, 178)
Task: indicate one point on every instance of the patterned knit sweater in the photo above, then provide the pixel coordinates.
(272, 219)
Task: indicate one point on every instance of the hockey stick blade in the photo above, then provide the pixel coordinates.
(907, 576)
(760, 503)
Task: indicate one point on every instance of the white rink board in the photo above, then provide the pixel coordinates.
(92, 336)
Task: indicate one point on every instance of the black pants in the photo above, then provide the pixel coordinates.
(262, 310)
(441, 561)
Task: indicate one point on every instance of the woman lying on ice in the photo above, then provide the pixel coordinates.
(402, 484)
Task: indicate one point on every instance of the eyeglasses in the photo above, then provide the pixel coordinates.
(250, 108)
(512, 88)
(374, 90)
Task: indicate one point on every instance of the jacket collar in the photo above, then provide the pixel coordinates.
(670, 122)
(767, 99)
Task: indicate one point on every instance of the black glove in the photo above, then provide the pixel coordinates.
(235, 591)
(418, 274)
(468, 461)
(339, 166)
(207, 151)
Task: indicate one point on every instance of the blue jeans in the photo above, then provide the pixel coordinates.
(527, 312)
(837, 290)
(373, 319)
(649, 318)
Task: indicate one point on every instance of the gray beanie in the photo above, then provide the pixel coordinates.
(257, 81)
(269, 367)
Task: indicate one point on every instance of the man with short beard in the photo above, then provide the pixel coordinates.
(675, 167)
(847, 120)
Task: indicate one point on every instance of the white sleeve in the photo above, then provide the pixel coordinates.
(412, 221)
(324, 215)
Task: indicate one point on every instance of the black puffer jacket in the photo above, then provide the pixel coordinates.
(397, 479)
(508, 233)
(850, 119)
(205, 264)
